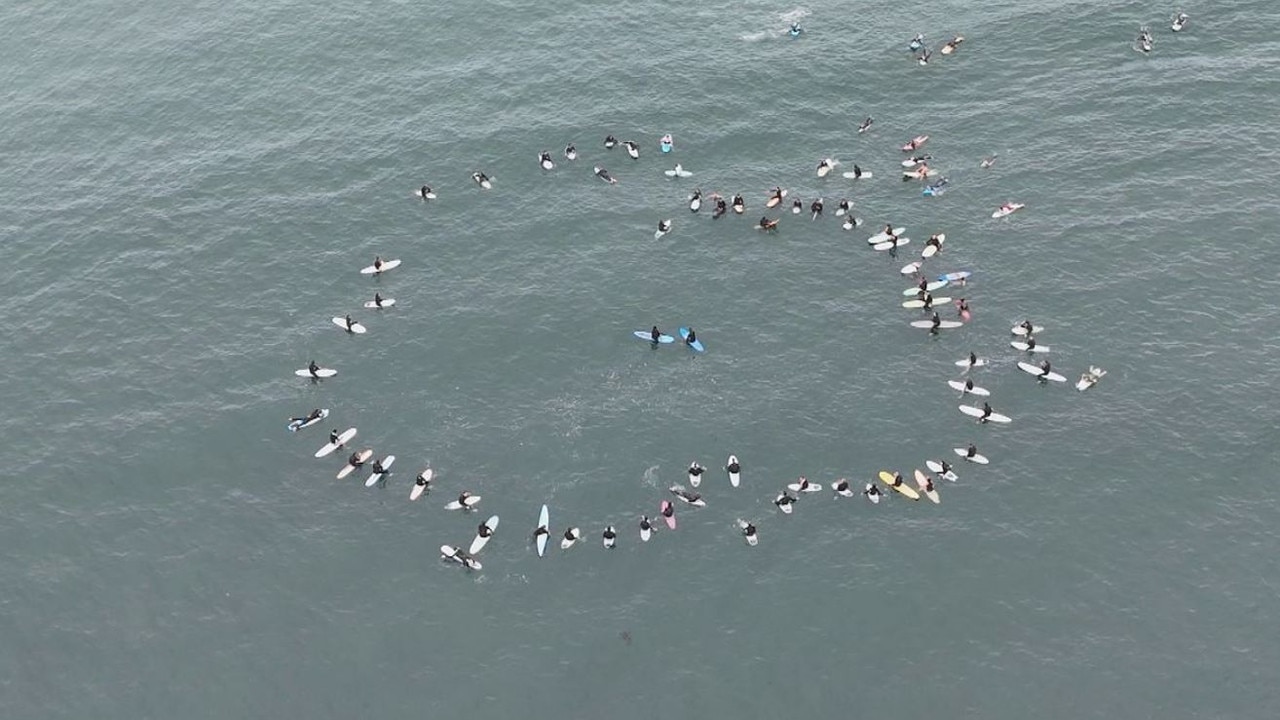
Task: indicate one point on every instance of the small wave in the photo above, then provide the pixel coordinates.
(755, 36)
(795, 14)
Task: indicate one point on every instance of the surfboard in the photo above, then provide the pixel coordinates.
(882, 236)
(851, 175)
(874, 498)
(752, 539)
(472, 501)
(1021, 331)
(695, 202)
(917, 175)
(977, 458)
(386, 467)
(646, 529)
(824, 170)
(846, 492)
(851, 222)
(785, 508)
(1002, 212)
(573, 536)
(296, 425)
(632, 150)
(662, 509)
(450, 553)
(1030, 369)
(965, 363)
(321, 373)
(975, 390)
(685, 495)
(343, 439)
(923, 482)
(695, 479)
(912, 304)
(1086, 381)
(647, 336)
(912, 162)
(931, 250)
(546, 163)
(544, 520)
(945, 325)
(936, 467)
(666, 143)
(417, 490)
(608, 540)
(976, 412)
(913, 291)
(890, 244)
(950, 47)
(811, 487)
(429, 196)
(356, 327)
(887, 478)
(347, 469)
(605, 176)
(386, 303)
(386, 265)
(955, 276)
(911, 268)
(773, 200)
(915, 143)
(483, 181)
(660, 232)
(1019, 345)
(479, 542)
(696, 344)
(677, 171)
(734, 477)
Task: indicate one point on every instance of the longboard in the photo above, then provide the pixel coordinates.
(887, 478)
(648, 337)
(977, 458)
(1035, 371)
(386, 467)
(386, 265)
(356, 327)
(479, 542)
(342, 440)
(544, 520)
(347, 469)
(296, 425)
(976, 412)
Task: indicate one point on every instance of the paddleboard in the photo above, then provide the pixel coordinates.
(386, 265)
(544, 520)
(696, 344)
(572, 536)
(343, 438)
(734, 477)
(976, 412)
(887, 478)
(347, 469)
(912, 304)
(1030, 369)
(955, 276)
(296, 425)
(882, 236)
(417, 490)
(647, 336)
(321, 373)
(662, 510)
(811, 487)
(386, 467)
(1002, 212)
(1085, 382)
(480, 541)
(915, 290)
(936, 467)
(890, 244)
(978, 458)
(752, 539)
(911, 268)
(975, 390)
(916, 142)
(356, 327)
(965, 363)
(1019, 345)
(945, 325)
(472, 501)
(923, 482)
(386, 303)
(851, 175)
(773, 200)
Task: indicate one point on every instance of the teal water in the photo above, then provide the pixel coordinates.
(192, 188)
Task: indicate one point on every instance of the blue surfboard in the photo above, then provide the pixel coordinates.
(696, 344)
(953, 276)
(646, 336)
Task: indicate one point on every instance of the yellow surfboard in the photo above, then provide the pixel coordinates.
(923, 481)
(901, 487)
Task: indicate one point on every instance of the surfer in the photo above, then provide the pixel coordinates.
(664, 227)
(669, 511)
(1044, 369)
(777, 195)
(1007, 207)
(610, 537)
(795, 29)
(962, 308)
(923, 59)
(1031, 343)
(314, 414)
(313, 368)
(645, 525)
(968, 385)
(749, 530)
(928, 485)
(632, 150)
(804, 483)
(934, 241)
(815, 207)
(463, 497)
(951, 44)
(570, 152)
(841, 486)
(377, 263)
(785, 499)
(655, 334)
(824, 164)
(377, 300)
(872, 492)
(973, 359)
(540, 531)
(355, 461)
(733, 467)
(333, 437)
(695, 470)
(843, 207)
(609, 142)
(691, 338)
(695, 200)
(936, 322)
(605, 176)
(857, 171)
(1026, 326)
(480, 178)
(971, 451)
(988, 162)
(946, 468)
(350, 323)
(865, 124)
(917, 42)
(425, 192)
(571, 535)
(897, 479)
(377, 467)
(721, 208)
(796, 206)
(545, 160)
(422, 481)
(483, 530)
(739, 205)
(986, 412)
(928, 300)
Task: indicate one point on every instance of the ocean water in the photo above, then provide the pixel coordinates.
(191, 189)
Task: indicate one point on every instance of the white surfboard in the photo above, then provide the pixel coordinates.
(632, 150)
(890, 244)
(429, 196)
(825, 169)
(851, 222)
(911, 268)
(544, 521)
(296, 425)
(1030, 369)
(811, 487)
(660, 232)
(976, 412)
(646, 529)
(913, 304)
(966, 364)
(610, 537)
(945, 325)
(417, 490)
(977, 457)
(386, 467)
(688, 497)
(480, 541)
(321, 373)
(677, 171)
(753, 539)
(386, 265)
(450, 553)
(546, 163)
(936, 468)
(347, 469)
(734, 477)
(773, 200)
(356, 327)
(787, 508)
(1090, 378)
(695, 479)
(1003, 212)
(847, 491)
(472, 501)
(931, 250)
(573, 536)
(386, 303)
(343, 439)
(1019, 345)
(975, 390)
(851, 175)
(913, 291)
(916, 174)
(882, 236)
(1021, 331)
